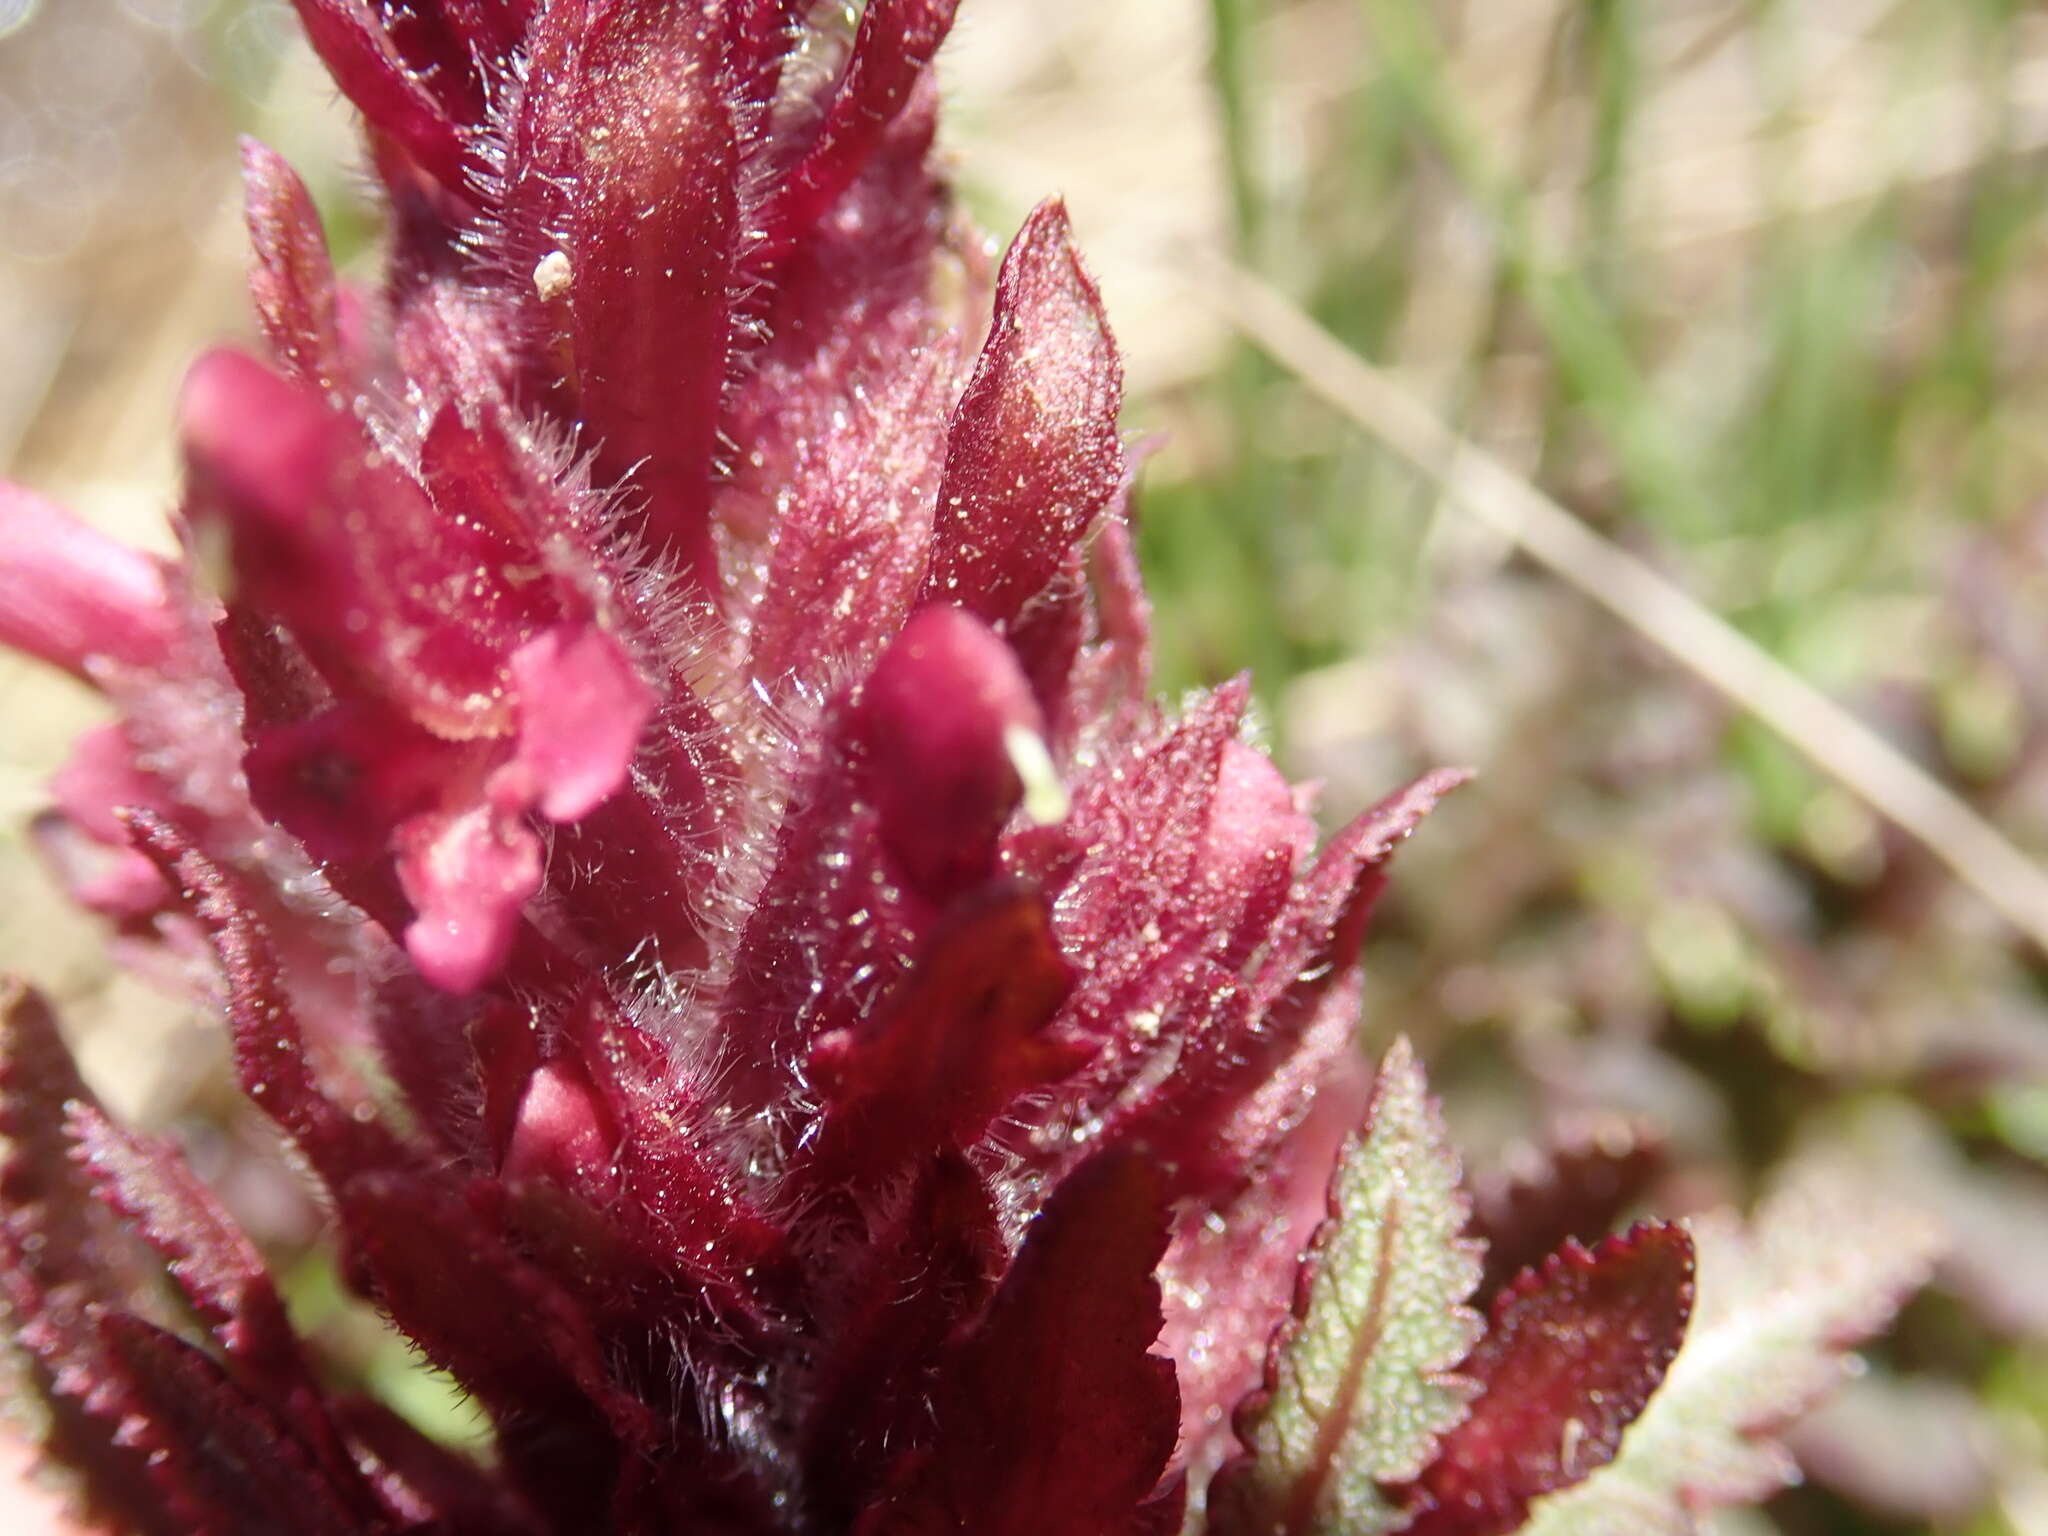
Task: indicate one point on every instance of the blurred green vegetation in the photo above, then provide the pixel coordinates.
(1759, 290)
(1796, 430)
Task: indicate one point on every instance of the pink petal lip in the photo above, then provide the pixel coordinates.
(73, 597)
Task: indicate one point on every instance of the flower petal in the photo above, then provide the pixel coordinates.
(74, 597)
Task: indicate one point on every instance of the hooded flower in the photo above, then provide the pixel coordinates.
(663, 677)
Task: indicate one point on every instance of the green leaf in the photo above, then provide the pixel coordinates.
(1823, 1264)
(1360, 1383)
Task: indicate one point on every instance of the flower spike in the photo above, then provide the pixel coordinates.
(649, 755)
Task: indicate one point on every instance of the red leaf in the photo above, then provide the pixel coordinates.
(1314, 946)
(820, 913)
(426, 1481)
(854, 357)
(1125, 619)
(292, 277)
(1034, 456)
(215, 1265)
(931, 1264)
(852, 491)
(442, 52)
(1053, 1419)
(269, 1048)
(623, 215)
(606, 1116)
(1576, 1187)
(63, 1257)
(499, 1325)
(1326, 922)
(422, 1034)
(60, 1251)
(764, 31)
(897, 39)
(1573, 1351)
(1246, 1049)
(221, 1455)
(959, 1039)
(491, 27)
(1125, 871)
(387, 88)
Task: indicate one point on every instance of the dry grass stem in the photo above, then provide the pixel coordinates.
(1821, 730)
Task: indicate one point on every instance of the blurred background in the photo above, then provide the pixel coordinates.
(1757, 288)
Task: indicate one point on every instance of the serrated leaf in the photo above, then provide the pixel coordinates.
(148, 1183)
(63, 1259)
(150, 1186)
(1360, 1385)
(1574, 1349)
(1822, 1265)
(223, 1457)
(1574, 1186)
